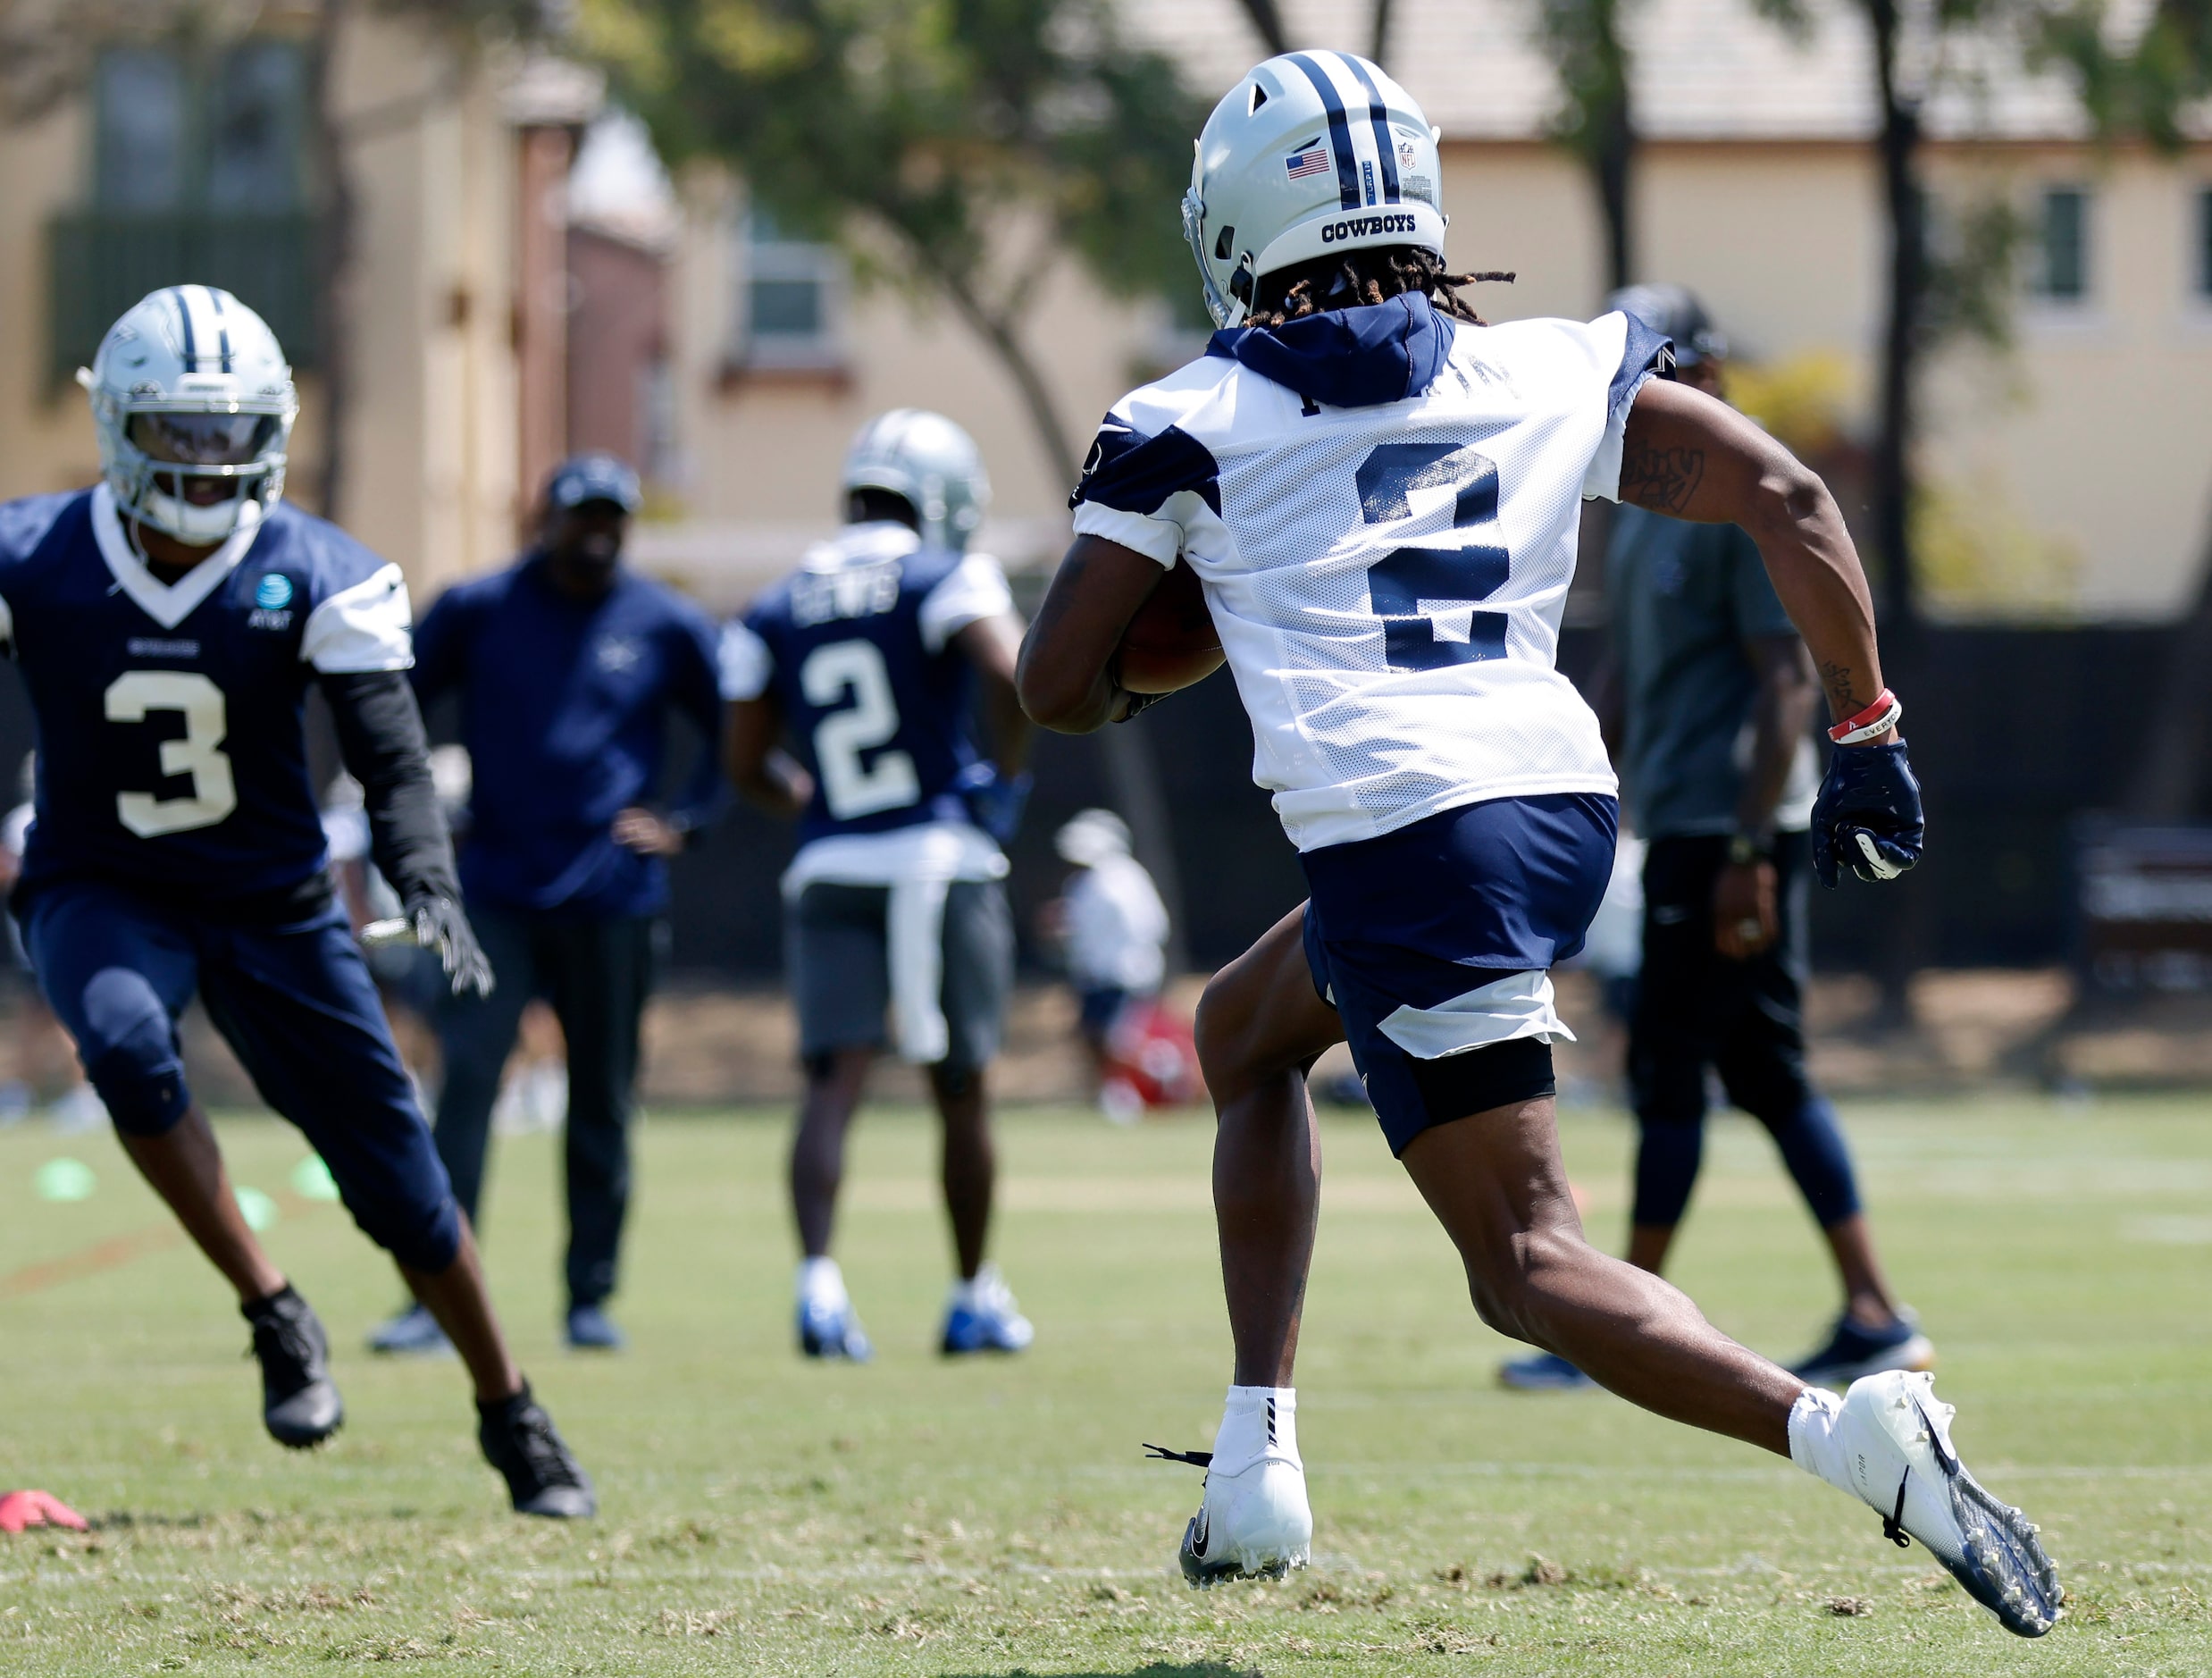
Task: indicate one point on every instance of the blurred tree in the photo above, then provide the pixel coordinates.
(1595, 119)
(48, 49)
(964, 151)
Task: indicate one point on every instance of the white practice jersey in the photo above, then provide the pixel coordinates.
(1387, 557)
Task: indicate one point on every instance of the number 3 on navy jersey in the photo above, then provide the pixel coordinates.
(854, 789)
(134, 697)
(1425, 596)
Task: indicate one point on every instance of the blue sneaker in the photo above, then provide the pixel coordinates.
(832, 1331)
(589, 1329)
(1853, 1351)
(1546, 1372)
(413, 1333)
(983, 1317)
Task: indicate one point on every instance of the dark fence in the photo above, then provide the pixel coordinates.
(2018, 734)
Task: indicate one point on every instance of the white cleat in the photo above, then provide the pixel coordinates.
(1253, 1524)
(1896, 1440)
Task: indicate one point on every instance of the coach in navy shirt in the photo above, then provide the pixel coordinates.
(568, 664)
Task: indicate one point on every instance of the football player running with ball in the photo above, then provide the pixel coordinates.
(1380, 496)
(168, 624)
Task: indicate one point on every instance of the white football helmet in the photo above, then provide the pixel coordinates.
(1311, 153)
(191, 385)
(930, 461)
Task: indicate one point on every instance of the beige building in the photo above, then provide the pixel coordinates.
(176, 163)
(2069, 477)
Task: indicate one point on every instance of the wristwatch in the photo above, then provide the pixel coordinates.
(1745, 849)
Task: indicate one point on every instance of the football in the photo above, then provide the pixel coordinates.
(1170, 643)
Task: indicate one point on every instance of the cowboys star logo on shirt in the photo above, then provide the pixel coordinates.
(615, 655)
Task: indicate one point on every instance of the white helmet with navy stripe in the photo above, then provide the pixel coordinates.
(931, 462)
(1310, 153)
(194, 404)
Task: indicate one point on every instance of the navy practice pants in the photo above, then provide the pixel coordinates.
(597, 971)
(1697, 1010)
(294, 1004)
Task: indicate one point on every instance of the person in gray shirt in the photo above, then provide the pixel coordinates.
(1713, 697)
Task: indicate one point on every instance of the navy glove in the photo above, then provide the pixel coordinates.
(1868, 814)
(994, 803)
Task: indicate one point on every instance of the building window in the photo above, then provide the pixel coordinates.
(220, 132)
(2061, 254)
(791, 298)
(2204, 244)
(197, 174)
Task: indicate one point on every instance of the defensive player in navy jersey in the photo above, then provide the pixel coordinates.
(1380, 496)
(868, 658)
(168, 624)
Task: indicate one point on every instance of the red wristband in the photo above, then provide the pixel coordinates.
(1877, 718)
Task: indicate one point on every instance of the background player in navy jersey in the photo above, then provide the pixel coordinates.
(1381, 499)
(568, 664)
(168, 624)
(868, 658)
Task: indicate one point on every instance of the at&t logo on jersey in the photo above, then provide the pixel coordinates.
(272, 598)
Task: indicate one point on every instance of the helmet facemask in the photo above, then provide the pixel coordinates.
(159, 457)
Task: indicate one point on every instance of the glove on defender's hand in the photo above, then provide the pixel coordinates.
(994, 802)
(440, 925)
(1867, 816)
(21, 1509)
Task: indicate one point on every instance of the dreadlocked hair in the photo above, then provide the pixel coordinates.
(1372, 275)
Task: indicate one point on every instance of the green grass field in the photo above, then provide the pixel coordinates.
(913, 1517)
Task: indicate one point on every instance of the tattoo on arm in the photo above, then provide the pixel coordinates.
(1662, 479)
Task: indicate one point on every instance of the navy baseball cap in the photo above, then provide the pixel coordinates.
(1676, 311)
(594, 477)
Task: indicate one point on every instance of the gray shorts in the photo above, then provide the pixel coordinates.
(837, 953)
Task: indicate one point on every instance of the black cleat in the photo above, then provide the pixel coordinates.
(300, 1405)
(543, 1476)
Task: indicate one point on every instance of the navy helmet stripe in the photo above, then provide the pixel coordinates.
(223, 330)
(184, 314)
(1339, 130)
(1385, 148)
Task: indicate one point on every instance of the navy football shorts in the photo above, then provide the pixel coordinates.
(837, 948)
(1431, 943)
(298, 1006)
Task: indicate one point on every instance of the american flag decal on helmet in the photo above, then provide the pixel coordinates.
(1314, 161)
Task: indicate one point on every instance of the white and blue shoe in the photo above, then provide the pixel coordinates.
(1543, 1371)
(831, 1330)
(982, 1316)
(1853, 1351)
(413, 1333)
(1894, 1437)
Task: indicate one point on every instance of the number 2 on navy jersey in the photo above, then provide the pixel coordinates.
(856, 668)
(132, 698)
(1425, 596)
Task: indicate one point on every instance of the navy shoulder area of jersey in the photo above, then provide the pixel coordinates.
(331, 561)
(25, 524)
(1644, 353)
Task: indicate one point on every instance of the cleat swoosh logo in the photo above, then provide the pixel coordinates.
(1944, 1458)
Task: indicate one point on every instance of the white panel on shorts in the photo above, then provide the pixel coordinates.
(1519, 1005)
